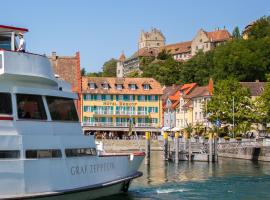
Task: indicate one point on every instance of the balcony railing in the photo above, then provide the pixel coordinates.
(120, 112)
(119, 124)
(104, 112)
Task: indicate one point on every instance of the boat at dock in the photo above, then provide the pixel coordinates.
(43, 151)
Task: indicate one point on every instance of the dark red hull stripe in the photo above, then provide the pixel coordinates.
(6, 118)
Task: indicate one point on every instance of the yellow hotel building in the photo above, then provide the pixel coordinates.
(121, 104)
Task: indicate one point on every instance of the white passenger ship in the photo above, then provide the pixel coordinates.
(43, 152)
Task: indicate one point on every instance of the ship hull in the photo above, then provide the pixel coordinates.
(86, 193)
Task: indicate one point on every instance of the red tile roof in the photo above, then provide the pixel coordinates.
(218, 36)
(177, 48)
(155, 87)
(185, 89)
(200, 91)
(255, 88)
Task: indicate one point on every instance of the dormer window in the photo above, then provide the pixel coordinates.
(119, 87)
(132, 86)
(105, 86)
(146, 87)
(92, 85)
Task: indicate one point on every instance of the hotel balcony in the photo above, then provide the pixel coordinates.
(118, 124)
(120, 113)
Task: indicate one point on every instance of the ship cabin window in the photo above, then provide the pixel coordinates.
(43, 153)
(30, 107)
(9, 154)
(79, 152)
(62, 109)
(5, 104)
(5, 41)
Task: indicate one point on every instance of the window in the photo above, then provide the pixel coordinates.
(119, 86)
(146, 86)
(132, 86)
(5, 104)
(142, 98)
(92, 85)
(5, 42)
(43, 153)
(120, 98)
(99, 97)
(80, 152)
(30, 107)
(62, 109)
(152, 98)
(105, 86)
(9, 154)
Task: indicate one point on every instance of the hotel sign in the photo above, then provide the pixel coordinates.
(120, 103)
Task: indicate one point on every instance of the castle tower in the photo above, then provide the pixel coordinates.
(152, 39)
(120, 66)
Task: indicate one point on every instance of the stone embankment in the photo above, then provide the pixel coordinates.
(250, 150)
(131, 145)
(259, 153)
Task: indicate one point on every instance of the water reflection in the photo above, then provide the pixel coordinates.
(227, 179)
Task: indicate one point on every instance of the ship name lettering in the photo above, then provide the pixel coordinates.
(91, 169)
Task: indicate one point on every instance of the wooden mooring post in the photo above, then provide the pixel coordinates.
(215, 148)
(210, 147)
(165, 147)
(147, 148)
(176, 147)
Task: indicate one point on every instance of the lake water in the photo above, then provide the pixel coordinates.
(227, 179)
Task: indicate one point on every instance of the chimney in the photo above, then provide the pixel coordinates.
(54, 55)
(173, 86)
(211, 86)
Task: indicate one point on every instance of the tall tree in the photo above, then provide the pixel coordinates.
(83, 72)
(109, 68)
(230, 103)
(236, 33)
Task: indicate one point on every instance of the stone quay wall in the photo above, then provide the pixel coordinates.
(248, 153)
(131, 145)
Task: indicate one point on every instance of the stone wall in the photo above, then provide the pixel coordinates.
(132, 145)
(247, 153)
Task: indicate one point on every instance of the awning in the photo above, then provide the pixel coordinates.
(175, 129)
(165, 128)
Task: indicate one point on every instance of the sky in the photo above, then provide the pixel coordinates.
(102, 29)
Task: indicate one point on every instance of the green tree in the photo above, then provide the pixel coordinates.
(189, 129)
(236, 33)
(264, 105)
(167, 72)
(109, 68)
(260, 28)
(94, 74)
(83, 72)
(230, 103)
(163, 55)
